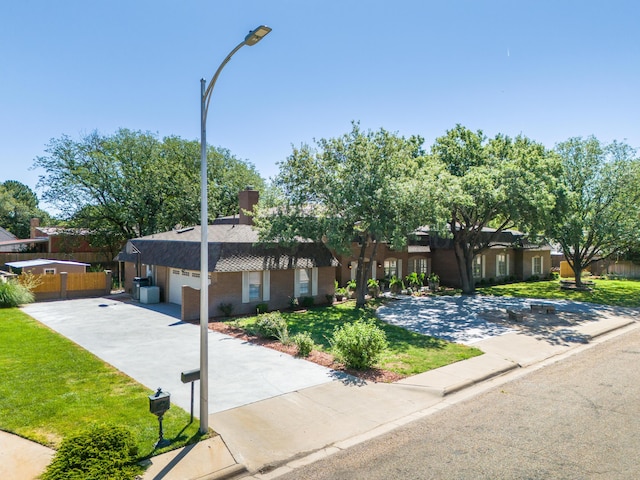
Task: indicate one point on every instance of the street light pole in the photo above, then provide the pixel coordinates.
(252, 38)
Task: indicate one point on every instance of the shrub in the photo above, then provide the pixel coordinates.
(13, 294)
(396, 285)
(293, 303)
(341, 293)
(374, 287)
(304, 342)
(273, 325)
(101, 452)
(262, 308)
(414, 280)
(358, 345)
(307, 302)
(226, 309)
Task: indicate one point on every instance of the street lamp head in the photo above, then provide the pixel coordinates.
(254, 36)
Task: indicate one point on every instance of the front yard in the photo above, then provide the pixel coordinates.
(616, 293)
(51, 388)
(409, 353)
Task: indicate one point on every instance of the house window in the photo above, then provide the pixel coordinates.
(536, 266)
(255, 286)
(478, 267)
(391, 267)
(49, 271)
(419, 265)
(305, 282)
(502, 265)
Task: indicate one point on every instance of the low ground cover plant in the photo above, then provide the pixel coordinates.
(99, 452)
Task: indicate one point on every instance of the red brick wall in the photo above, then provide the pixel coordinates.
(227, 288)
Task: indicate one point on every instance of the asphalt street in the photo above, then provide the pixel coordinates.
(574, 419)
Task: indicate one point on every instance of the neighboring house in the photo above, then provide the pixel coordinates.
(62, 239)
(509, 256)
(43, 266)
(242, 272)
(9, 243)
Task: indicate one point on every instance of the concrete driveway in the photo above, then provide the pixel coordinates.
(153, 346)
(462, 318)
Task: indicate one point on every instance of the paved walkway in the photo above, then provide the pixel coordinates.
(468, 319)
(289, 425)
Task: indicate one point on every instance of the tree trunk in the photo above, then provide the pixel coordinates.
(464, 259)
(577, 268)
(361, 284)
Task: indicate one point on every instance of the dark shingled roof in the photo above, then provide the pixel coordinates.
(232, 248)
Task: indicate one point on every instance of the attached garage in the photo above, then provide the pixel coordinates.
(178, 278)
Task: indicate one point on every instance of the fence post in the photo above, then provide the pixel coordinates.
(109, 280)
(63, 285)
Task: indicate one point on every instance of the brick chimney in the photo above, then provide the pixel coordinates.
(34, 223)
(247, 199)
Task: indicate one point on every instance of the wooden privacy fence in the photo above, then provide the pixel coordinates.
(622, 268)
(72, 285)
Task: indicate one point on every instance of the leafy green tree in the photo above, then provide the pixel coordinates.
(501, 183)
(132, 184)
(18, 205)
(363, 186)
(598, 212)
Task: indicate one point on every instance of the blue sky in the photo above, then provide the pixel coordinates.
(547, 69)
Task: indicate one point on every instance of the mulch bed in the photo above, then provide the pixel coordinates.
(321, 358)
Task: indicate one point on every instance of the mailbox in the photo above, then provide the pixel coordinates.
(159, 402)
(190, 376)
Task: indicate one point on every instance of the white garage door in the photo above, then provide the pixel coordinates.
(177, 279)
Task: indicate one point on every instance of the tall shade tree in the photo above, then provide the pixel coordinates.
(132, 184)
(501, 183)
(598, 213)
(18, 205)
(363, 186)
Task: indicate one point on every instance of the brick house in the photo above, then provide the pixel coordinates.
(62, 239)
(509, 256)
(243, 272)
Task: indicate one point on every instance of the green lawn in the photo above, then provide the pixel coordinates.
(51, 387)
(621, 293)
(409, 353)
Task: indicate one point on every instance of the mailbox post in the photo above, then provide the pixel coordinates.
(159, 403)
(190, 376)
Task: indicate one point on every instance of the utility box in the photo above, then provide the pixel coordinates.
(149, 294)
(138, 283)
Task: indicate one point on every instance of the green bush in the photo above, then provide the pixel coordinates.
(307, 302)
(395, 284)
(262, 308)
(273, 325)
(304, 342)
(13, 294)
(358, 345)
(226, 309)
(101, 452)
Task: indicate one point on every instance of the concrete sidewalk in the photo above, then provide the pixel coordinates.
(270, 437)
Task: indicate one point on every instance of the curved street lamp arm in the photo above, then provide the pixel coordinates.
(207, 94)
